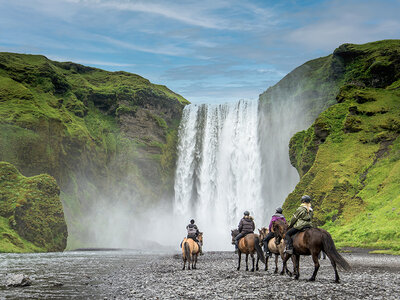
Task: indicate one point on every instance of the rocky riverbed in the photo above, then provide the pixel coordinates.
(127, 274)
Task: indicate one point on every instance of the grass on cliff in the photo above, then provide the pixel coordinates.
(348, 159)
(11, 242)
(30, 210)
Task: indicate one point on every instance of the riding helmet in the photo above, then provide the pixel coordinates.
(191, 221)
(306, 199)
(246, 213)
(279, 210)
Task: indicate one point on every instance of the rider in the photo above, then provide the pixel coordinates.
(246, 226)
(277, 216)
(192, 233)
(302, 219)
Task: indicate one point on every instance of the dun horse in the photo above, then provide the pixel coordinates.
(249, 245)
(190, 251)
(311, 242)
(273, 247)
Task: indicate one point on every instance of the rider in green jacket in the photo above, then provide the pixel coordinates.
(302, 219)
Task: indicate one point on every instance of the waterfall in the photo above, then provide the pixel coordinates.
(218, 173)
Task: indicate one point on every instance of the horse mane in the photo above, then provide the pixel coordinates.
(279, 225)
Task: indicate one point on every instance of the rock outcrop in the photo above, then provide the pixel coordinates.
(31, 212)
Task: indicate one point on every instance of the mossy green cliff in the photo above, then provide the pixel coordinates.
(349, 159)
(97, 133)
(31, 212)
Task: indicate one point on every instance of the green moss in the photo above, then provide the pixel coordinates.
(73, 122)
(349, 159)
(33, 212)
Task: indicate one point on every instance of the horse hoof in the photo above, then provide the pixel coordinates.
(282, 273)
(296, 277)
(252, 270)
(257, 269)
(337, 281)
(311, 279)
(247, 269)
(276, 271)
(238, 269)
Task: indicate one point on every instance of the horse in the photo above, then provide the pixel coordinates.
(249, 245)
(190, 251)
(311, 242)
(274, 248)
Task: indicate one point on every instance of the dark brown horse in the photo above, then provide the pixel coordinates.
(311, 242)
(249, 245)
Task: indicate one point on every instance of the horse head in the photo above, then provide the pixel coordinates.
(263, 233)
(234, 233)
(200, 238)
(280, 228)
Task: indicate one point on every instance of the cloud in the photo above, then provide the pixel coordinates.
(220, 15)
(347, 22)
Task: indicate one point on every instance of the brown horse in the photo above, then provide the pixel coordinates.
(190, 251)
(311, 242)
(249, 245)
(273, 248)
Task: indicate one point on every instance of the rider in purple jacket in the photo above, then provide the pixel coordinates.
(277, 216)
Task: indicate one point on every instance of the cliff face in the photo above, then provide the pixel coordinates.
(31, 213)
(349, 159)
(97, 133)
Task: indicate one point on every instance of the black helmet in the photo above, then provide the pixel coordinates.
(191, 221)
(246, 213)
(306, 199)
(279, 210)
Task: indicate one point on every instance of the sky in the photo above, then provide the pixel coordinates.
(208, 51)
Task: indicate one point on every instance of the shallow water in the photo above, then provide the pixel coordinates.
(136, 275)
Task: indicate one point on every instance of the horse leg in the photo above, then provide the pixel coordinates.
(247, 262)
(316, 266)
(195, 262)
(296, 266)
(253, 259)
(284, 267)
(266, 262)
(337, 279)
(276, 263)
(184, 263)
(240, 258)
(258, 259)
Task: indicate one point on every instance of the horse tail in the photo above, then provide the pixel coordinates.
(260, 253)
(331, 252)
(187, 252)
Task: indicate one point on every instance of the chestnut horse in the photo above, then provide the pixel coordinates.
(190, 251)
(311, 242)
(249, 245)
(273, 248)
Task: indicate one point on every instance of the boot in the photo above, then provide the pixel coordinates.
(236, 247)
(200, 250)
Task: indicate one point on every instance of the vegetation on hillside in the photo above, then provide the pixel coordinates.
(31, 213)
(95, 132)
(349, 159)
